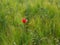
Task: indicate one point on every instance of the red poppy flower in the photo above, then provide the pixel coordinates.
(24, 20)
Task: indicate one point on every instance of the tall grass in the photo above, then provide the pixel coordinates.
(42, 28)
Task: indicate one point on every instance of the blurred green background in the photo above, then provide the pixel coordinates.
(42, 28)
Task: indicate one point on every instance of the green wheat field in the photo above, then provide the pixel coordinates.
(42, 28)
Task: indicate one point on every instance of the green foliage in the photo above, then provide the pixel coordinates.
(42, 28)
